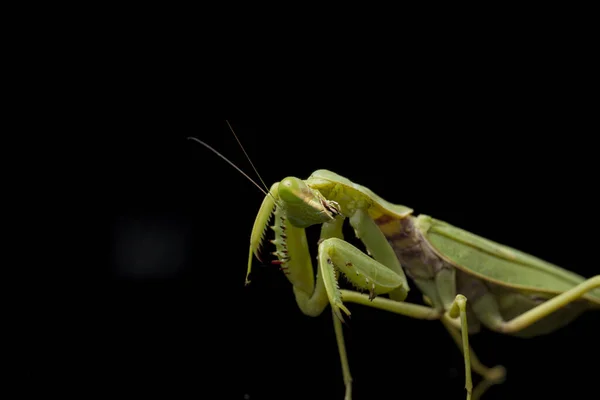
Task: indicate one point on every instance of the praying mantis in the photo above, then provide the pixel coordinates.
(466, 280)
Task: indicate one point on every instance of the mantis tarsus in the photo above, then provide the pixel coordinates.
(466, 280)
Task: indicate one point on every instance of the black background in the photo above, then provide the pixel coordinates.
(173, 315)
(144, 235)
(157, 303)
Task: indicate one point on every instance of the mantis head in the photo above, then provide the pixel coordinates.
(304, 206)
(295, 206)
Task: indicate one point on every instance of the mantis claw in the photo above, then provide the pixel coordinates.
(336, 310)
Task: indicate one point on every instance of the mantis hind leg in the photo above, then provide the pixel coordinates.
(543, 310)
(489, 312)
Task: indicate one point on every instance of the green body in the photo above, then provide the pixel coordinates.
(461, 275)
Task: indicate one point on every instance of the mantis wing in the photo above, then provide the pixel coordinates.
(497, 263)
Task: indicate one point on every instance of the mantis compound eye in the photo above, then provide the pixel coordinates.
(293, 190)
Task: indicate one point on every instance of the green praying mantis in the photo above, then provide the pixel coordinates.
(466, 280)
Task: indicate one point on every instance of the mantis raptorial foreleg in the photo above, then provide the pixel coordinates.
(333, 251)
(334, 255)
(361, 269)
(378, 275)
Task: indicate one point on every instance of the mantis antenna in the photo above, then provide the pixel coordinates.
(267, 193)
(247, 156)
